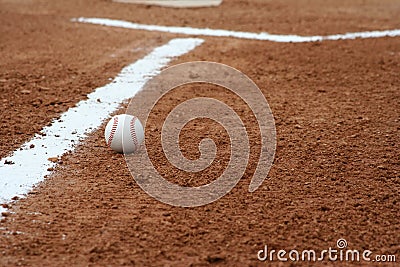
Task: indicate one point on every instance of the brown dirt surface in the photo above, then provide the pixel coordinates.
(336, 106)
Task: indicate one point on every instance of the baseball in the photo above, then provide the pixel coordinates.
(124, 133)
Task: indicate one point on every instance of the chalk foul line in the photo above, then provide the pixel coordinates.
(29, 165)
(243, 35)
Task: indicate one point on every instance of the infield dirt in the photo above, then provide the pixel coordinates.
(336, 106)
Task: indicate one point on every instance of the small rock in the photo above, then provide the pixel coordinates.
(32, 146)
(43, 88)
(9, 162)
(53, 159)
(215, 259)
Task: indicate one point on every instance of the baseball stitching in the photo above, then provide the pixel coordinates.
(113, 130)
(133, 133)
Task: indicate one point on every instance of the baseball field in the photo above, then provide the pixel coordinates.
(303, 108)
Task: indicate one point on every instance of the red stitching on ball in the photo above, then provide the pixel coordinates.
(133, 133)
(113, 130)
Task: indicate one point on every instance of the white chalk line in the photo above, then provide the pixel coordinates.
(237, 34)
(30, 165)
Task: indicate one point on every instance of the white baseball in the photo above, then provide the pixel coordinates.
(124, 133)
